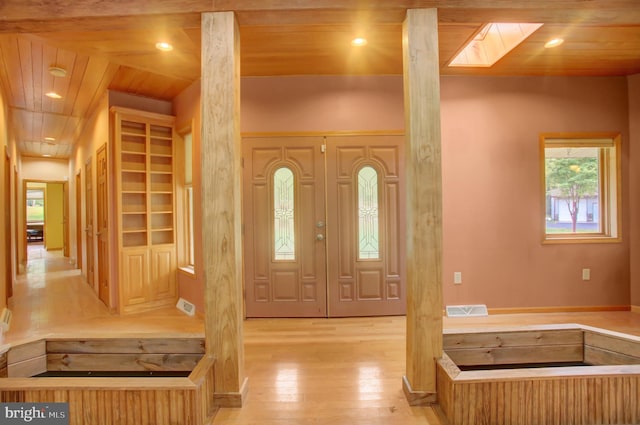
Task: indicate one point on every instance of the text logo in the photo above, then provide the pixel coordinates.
(34, 413)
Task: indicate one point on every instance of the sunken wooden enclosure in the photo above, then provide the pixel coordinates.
(115, 380)
(562, 375)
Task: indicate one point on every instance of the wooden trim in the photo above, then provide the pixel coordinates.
(560, 309)
(635, 308)
(610, 209)
(323, 133)
(418, 398)
(232, 399)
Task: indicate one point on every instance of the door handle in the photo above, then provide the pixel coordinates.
(320, 237)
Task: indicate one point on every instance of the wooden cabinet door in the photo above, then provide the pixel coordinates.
(134, 278)
(366, 226)
(163, 272)
(284, 215)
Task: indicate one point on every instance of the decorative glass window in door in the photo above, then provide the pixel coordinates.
(368, 228)
(283, 214)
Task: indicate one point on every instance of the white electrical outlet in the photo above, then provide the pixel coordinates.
(586, 274)
(457, 278)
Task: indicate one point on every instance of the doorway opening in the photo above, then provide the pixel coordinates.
(45, 225)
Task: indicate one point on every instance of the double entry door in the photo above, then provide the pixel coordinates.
(324, 226)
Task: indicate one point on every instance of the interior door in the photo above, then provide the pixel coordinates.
(65, 219)
(8, 278)
(78, 221)
(284, 227)
(102, 225)
(366, 226)
(88, 219)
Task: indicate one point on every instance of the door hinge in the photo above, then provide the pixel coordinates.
(323, 148)
(242, 162)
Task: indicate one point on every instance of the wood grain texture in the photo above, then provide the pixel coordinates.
(424, 198)
(221, 198)
(99, 401)
(557, 400)
(550, 395)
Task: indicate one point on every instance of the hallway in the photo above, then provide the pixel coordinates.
(301, 371)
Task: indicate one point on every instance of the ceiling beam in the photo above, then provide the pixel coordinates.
(57, 15)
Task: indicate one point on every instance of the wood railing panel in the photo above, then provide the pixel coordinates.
(127, 345)
(513, 339)
(29, 367)
(122, 362)
(517, 355)
(613, 343)
(27, 351)
(600, 356)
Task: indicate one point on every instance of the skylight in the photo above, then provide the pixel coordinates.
(493, 42)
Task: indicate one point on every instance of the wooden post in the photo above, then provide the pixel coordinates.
(221, 204)
(424, 204)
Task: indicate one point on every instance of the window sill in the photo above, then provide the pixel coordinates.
(187, 270)
(555, 240)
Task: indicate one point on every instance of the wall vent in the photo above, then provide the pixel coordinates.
(186, 307)
(473, 310)
(5, 319)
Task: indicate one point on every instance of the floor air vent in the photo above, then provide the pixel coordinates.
(186, 307)
(467, 310)
(5, 319)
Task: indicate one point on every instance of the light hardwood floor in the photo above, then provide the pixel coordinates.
(301, 371)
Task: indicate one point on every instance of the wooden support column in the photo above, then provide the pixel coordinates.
(424, 204)
(221, 204)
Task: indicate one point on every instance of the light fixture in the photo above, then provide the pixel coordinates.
(359, 41)
(555, 42)
(53, 95)
(164, 46)
(46, 155)
(57, 71)
(492, 42)
(50, 139)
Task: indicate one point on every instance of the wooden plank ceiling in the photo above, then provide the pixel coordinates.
(101, 49)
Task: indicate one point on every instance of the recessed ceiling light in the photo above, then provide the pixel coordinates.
(359, 41)
(553, 43)
(56, 71)
(53, 95)
(164, 46)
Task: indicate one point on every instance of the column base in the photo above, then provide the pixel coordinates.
(418, 398)
(232, 399)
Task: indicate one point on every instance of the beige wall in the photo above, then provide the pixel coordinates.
(187, 111)
(94, 135)
(491, 178)
(492, 192)
(8, 147)
(634, 185)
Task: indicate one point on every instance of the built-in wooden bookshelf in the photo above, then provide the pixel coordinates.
(145, 172)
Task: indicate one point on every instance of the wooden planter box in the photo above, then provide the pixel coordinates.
(605, 391)
(116, 400)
